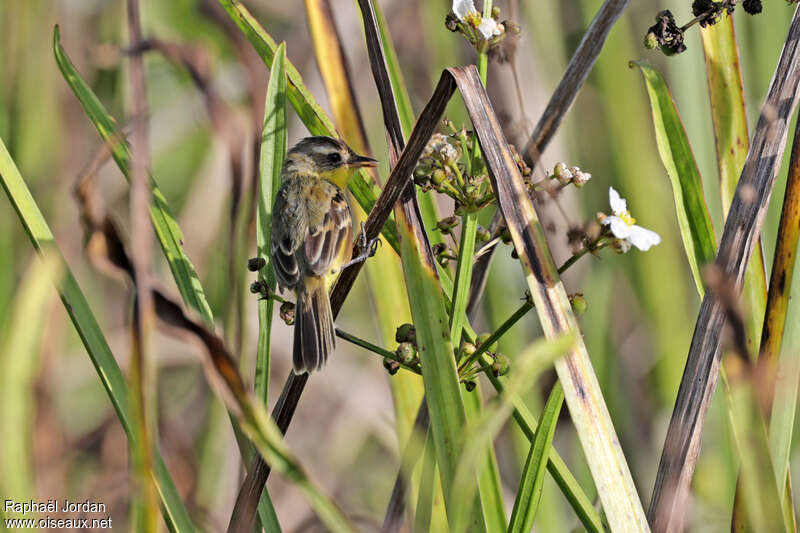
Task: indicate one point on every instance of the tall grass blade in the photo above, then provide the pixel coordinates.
(780, 343)
(742, 228)
(729, 119)
(482, 430)
(77, 307)
(529, 492)
(166, 227)
(581, 389)
(272, 154)
(427, 203)
(694, 221)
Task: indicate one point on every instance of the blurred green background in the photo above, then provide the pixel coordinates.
(642, 306)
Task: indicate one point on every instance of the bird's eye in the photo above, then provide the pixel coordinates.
(335, 157)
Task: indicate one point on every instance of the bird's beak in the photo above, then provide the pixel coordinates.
(358, 161)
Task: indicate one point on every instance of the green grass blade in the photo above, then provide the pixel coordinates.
(530, 487)
(490, 490)
(404, 109)
(273, 152)
(89, 331)
(466, 252)
(482, 430)
(569, 486)
(780, 345)
(582, 392)
(304, 103)
(687, 186)
(442, 390)
(166, 227)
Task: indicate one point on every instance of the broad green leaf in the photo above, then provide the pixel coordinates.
(89, 331)
(166, 227)
(687, 186)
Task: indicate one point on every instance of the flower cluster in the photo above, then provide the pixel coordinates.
(447, 166)
(482, 32)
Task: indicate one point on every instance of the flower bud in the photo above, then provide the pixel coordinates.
(580, 178)
(257, 287)
(562, 173)
(438, 176)
(468, 349)
(254, 264)
(391, 366)
(578, 303)
(482, 234)
(500, 365)
(446, 225)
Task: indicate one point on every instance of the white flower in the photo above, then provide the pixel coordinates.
(489, 28)
(623, 225)
(462, 8)
(466, 13)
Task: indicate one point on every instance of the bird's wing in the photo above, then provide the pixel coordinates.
(287, 222)
(329, 240)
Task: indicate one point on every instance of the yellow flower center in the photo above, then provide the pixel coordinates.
(627, 218)
(473, 18)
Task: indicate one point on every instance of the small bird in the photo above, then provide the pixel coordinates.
(311, 239)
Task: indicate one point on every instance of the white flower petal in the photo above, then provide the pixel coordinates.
(618, 227)
(489, 28)
(643, 238)
(462, 8)
(618, 204)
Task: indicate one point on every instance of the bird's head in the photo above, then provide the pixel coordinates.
(329, 159)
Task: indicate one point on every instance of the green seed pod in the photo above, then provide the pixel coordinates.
(405, 352)
(482, 234)
(578, 303)
(500, 365)
(438, 176)
(468, 349)
(483, 338)
(406, 333)
(562, 173)
(447, 224)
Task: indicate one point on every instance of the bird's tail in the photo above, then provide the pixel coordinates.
(313, 329)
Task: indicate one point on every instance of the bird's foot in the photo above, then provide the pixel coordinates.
(366, 247)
